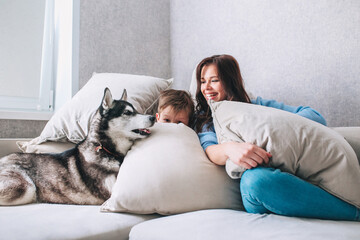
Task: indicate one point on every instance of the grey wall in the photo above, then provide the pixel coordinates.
(301, 52)
(125, 37)
(20, 128)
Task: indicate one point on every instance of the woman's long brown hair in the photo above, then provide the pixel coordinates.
(229, 74)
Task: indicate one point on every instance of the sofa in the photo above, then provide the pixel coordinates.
(166, 187)
(58, 221)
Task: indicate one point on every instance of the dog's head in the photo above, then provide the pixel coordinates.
(120, 119)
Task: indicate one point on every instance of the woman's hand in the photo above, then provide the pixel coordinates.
(246, 155)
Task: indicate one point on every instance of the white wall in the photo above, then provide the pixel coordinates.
(301, 52)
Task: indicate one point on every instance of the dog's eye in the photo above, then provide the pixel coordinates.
(127, 112)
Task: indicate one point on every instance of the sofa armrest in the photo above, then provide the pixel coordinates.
(8, 145)
(352, 136)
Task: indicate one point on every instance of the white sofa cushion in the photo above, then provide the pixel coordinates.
(229, 225)
(60, 221)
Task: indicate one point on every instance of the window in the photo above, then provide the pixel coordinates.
(39, 46)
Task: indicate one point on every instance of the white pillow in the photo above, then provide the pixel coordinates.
(71, 122)
(169, 173)
(298, 145)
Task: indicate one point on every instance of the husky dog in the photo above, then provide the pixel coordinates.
(81, 175)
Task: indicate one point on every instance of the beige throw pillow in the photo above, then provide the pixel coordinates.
(298, 145)
(169, 173)
(71, 122)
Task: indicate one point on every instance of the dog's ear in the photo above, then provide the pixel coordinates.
(124, 95)
(107, 99)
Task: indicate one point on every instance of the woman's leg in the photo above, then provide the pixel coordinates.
(266, 190)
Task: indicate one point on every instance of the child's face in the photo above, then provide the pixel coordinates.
(168, 115)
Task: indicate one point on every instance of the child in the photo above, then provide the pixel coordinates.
(175, 106)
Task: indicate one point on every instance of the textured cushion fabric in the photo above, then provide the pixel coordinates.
(227, 224)
(169, 173)
(58, 221)
(71, 122)
(298, 145)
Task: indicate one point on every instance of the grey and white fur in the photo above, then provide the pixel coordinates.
(81, 175)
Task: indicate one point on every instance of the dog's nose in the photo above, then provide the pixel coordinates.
(152, 118)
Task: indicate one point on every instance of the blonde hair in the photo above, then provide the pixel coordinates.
(179, 100)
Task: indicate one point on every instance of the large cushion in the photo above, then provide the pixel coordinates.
(298, 145)
(64, 221)
(224, 224)
(71, 122)
(169, 173)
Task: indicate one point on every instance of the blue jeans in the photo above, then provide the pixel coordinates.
(268, 190)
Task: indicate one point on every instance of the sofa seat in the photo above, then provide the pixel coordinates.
(58, 221)
(227, 224)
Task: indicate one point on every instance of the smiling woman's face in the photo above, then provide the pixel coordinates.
(211, 86)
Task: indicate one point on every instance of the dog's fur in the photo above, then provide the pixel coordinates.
(84, 174)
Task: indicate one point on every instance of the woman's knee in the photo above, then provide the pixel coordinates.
(257, 180)
(255, 187)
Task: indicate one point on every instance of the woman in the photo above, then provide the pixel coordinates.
(263, 190)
